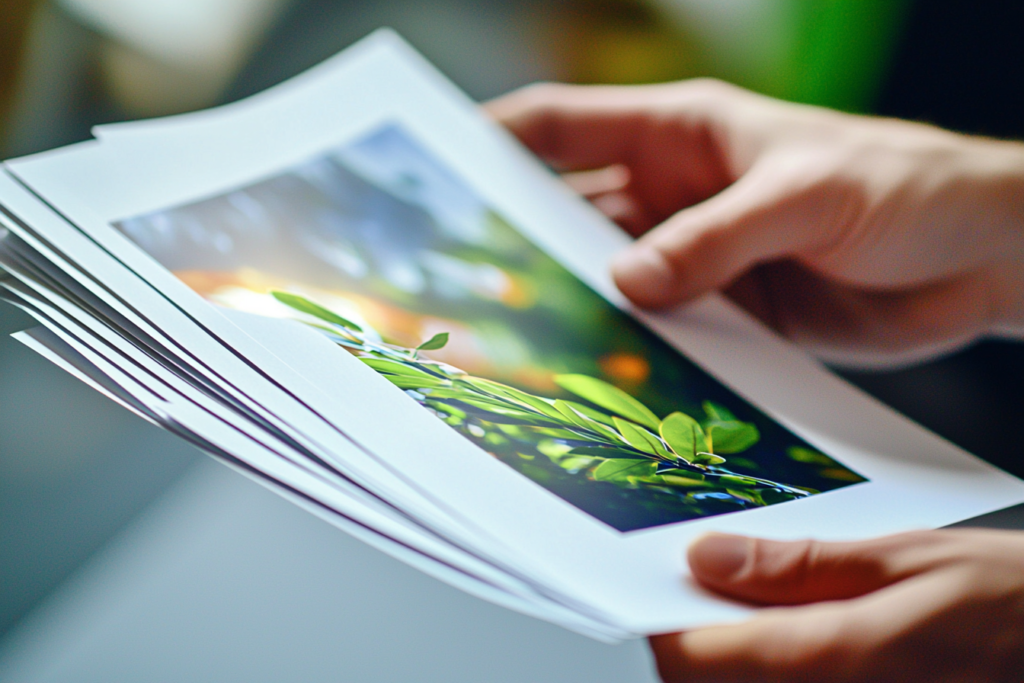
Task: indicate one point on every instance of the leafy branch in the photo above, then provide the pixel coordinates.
(611, 437)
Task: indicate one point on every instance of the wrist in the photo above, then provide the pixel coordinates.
(1001, 164)
(1007, 312)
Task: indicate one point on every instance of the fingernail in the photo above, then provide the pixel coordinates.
(643, 275)
(719, 556)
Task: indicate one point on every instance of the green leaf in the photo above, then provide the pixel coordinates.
(576, 463)
(554, 432)
(496, 439)
(482, 403)
(393, 367)
(640, 439)
(503, 391)
(683, 474)
(772, 496)
(498, 409)
(415, 383)
(620, 471)
(593, 414)
(443, 407)
(607, 452)
(670, 479)
(304, 305)
(744, 482)
(683, 435)
(732, 436)
(749, 496)
(446, 391)
(608, 397)
(569, 414)
(718, 412)
(707, 459)
(438, 341)
(553, 449)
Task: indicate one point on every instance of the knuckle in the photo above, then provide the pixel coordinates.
(784, 564)
(709, 243)
(711, 248)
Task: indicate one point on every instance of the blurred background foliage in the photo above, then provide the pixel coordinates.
(786, 48)
(152, 57)
(66, 65)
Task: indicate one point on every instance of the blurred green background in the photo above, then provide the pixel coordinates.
(74, 470)
(159, 57)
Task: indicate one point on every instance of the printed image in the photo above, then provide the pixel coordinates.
(382, 249)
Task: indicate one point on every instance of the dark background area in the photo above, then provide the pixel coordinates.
(960, 65)
(956, 63)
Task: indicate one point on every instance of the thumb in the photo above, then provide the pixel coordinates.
(769, 213)
(790, 573)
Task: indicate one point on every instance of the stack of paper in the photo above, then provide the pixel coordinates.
(357, 290)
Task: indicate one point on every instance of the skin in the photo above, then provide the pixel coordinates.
(931, 606)
(868, 241)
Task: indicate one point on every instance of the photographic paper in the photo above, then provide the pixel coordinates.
(387, 252)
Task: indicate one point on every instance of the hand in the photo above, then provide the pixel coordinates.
(867, 240)
(931, 606)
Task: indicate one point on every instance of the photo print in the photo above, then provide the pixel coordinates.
(381, 248)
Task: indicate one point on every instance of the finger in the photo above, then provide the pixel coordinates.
(876, 638)
(586, 127)
(768, 214)
(613, 178)
(853, 326)
(678, 140)
(931, 627)
(784, 573)
(798, 572)
(627, 211)
(574, 127)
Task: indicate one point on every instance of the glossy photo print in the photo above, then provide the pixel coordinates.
(382, 249)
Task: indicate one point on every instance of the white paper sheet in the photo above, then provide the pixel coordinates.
(121, 291)
(64, 356)
(74, 327)
(144, 374)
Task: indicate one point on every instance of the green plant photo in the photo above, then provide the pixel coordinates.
(612, 437)
(401, 263)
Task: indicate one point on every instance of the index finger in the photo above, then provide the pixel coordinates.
(584, 127)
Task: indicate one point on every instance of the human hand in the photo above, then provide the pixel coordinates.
(871, 241)
(930, 606)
